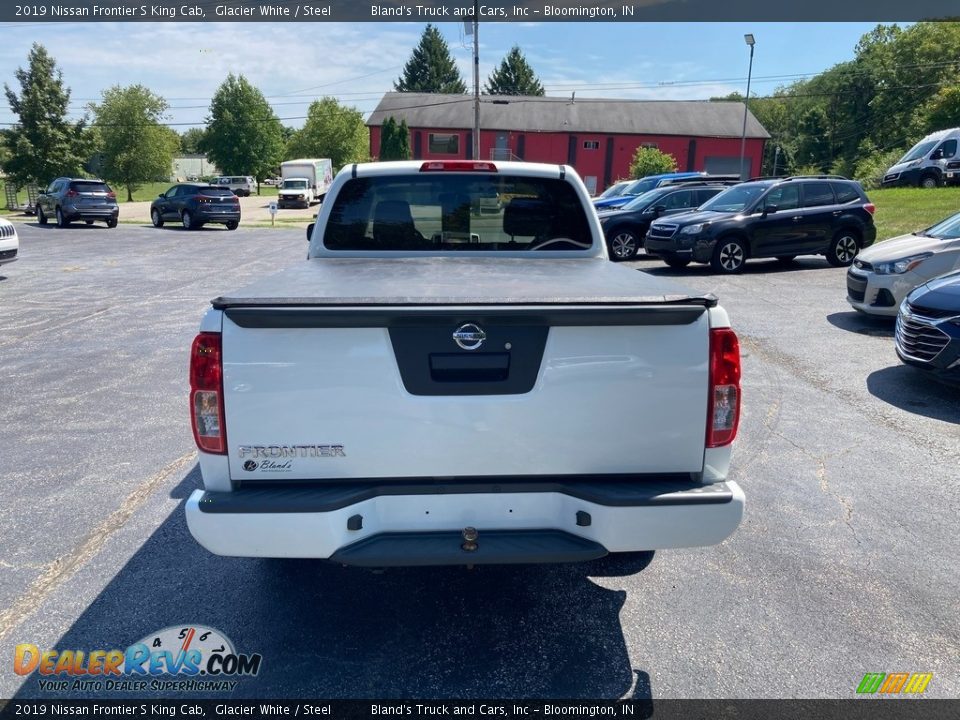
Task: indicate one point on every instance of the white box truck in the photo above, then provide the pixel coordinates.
(304, 182)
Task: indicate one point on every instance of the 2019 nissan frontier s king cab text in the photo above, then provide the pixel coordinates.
(434, 387)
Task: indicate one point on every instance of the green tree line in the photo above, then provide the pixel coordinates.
(859, 116)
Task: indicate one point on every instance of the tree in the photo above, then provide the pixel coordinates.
(513, 77)
(244, 136)
(650, 161)
(191, 140)
(394, 140)
(388, 139)
(430, 68)
(44, 144)
(331, 131)
(403, 138)
(136, 147)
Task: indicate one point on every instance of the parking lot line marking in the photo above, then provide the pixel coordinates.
(65, 566)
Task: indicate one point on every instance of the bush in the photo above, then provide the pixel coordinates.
(870, 170)
(650, 161)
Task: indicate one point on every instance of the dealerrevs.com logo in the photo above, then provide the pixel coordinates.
(189, 658)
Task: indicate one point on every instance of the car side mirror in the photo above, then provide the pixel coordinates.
(161, 195)
(310, 231)
(769, 209)
(659, 209)
(937, 155)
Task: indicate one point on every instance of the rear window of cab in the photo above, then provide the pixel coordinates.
(449, 211)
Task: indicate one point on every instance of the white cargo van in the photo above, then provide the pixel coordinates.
(930, 163)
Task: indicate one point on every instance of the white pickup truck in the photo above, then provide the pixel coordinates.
(431, 387)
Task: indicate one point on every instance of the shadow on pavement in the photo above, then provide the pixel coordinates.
(753, 267)
(863, 324)
(326, 631)
(914, 391)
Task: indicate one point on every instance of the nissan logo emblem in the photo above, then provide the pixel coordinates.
(469, 336)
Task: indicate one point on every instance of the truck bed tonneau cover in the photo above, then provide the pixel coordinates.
(448, 281)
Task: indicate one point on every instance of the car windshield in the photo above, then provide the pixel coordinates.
(614, 190)
(294, 184)
(948, 229)
(434, 211)
(638, 187)
(734, 199)
(918, 151)
(641, 201)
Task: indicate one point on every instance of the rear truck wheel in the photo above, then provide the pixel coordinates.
(929, 181)
(41, 218)
(232, 225)
(843, 248)
(729, 255)
(112, 223)
(623, 245)
(676, 262)
(155, 218)
(786, 259)
(187, 220)
(61, 219)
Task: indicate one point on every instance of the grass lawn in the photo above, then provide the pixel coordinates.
(902, 210)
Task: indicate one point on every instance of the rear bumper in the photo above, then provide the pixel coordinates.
(216, 217)
(397, 525)
(90, 213)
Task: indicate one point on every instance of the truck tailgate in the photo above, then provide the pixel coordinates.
(352, 371)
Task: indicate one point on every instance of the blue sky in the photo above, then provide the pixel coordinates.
(293, 63)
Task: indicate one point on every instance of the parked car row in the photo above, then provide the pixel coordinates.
(191, 204)
(624, 191)
(626, 227)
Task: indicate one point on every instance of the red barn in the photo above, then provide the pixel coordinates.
(597, 137)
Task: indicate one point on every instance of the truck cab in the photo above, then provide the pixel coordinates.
(295, 192)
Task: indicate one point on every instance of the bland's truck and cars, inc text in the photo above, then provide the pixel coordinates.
(434, 387)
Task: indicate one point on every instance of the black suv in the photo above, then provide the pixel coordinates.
(625, 227)
(195, 204)
(69, 199)
(769, 217)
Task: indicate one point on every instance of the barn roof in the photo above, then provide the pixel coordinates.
(698, 118)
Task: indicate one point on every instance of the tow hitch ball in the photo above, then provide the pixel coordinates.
(470, 536)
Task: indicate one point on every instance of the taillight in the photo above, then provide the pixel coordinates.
(112, 195)
(870, 208)
(71, 193)
(723, 408)
(206, 393)
(458, 166)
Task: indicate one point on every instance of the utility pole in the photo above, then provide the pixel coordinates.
(748, 38)
(476, 79)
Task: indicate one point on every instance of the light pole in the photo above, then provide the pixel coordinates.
(748, 38)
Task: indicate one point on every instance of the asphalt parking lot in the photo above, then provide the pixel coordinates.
(845, 563)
